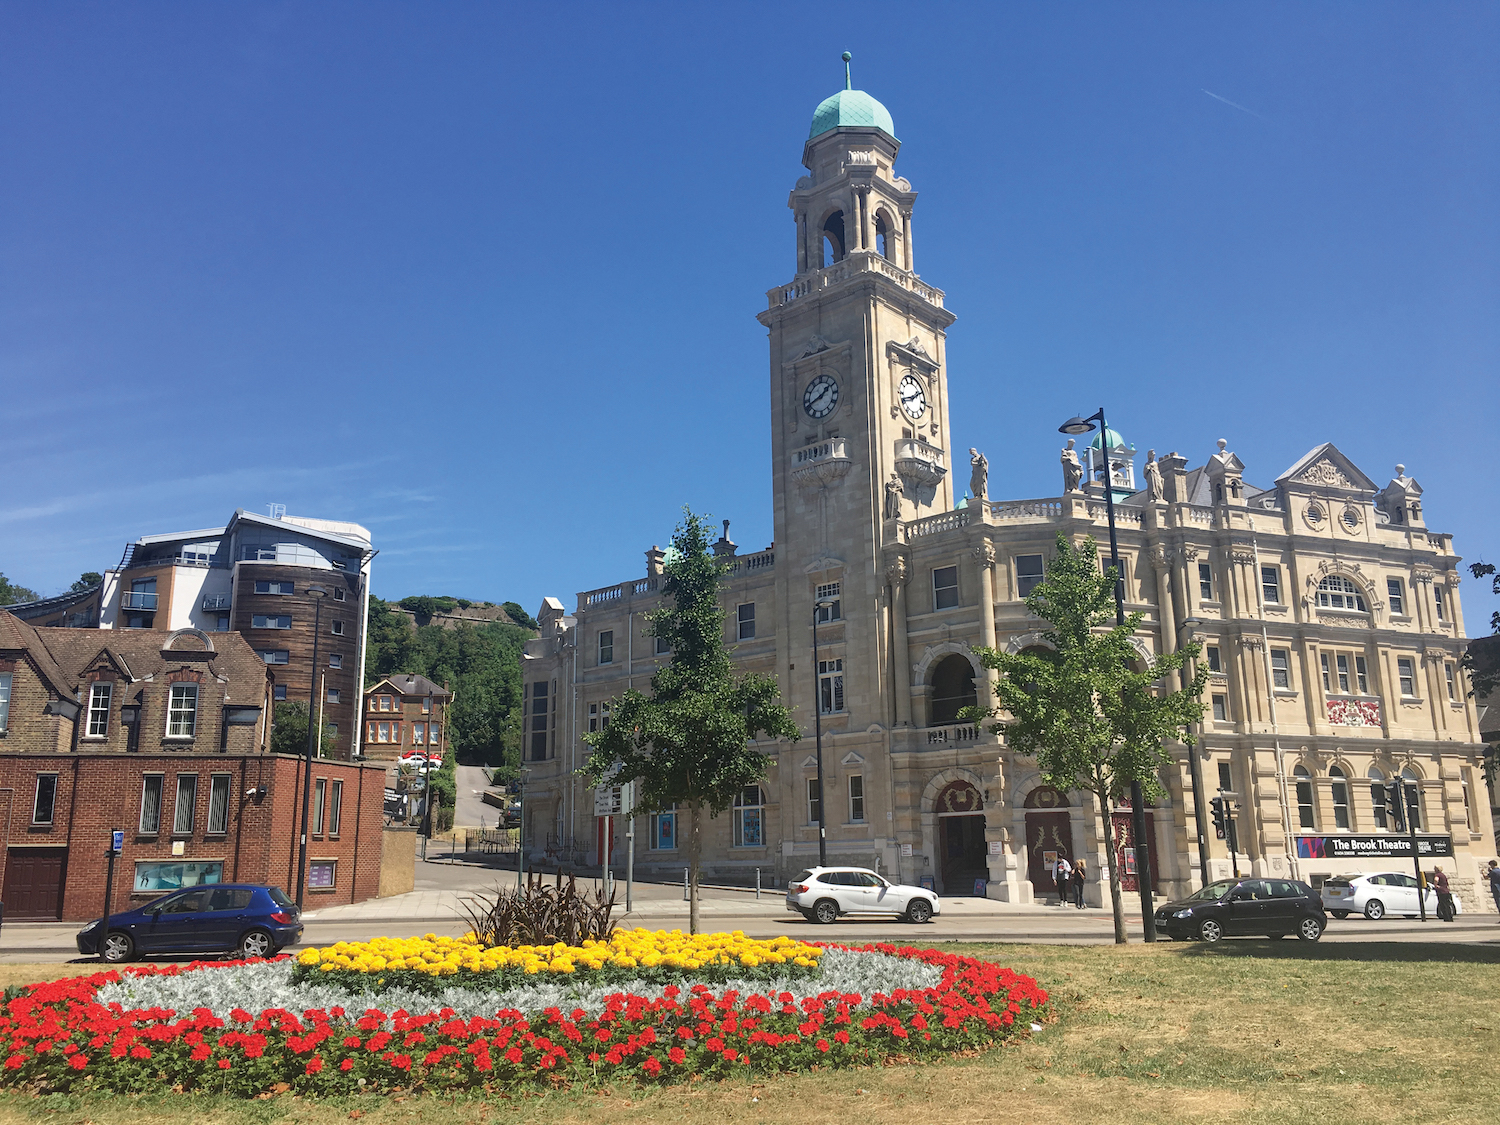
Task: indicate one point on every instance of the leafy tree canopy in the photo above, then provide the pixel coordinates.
(1484, 668)
(14, 595)
(289, 729)
(519, 615)
(1091, 712)
(86, 581)
(688, 741)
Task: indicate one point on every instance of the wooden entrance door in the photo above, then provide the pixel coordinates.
(34, 883)
(1046, 833)
(1125, 850)
(961, 845)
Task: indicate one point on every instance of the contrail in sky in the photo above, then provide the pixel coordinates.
(1236, 105)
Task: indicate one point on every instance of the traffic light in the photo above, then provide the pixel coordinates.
(1394, 813)
(1220, 816)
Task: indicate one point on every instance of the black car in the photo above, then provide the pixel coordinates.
(1256, 907)
(244, 918)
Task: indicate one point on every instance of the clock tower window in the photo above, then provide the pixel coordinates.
(882, 236)
(833, 239)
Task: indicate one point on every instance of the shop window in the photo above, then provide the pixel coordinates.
(749, 828)
(171, 876)
(663, 831)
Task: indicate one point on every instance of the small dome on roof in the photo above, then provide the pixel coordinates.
(850, 107)
(1115, 440)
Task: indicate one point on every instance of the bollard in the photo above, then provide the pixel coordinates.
(757, 884)
(684, 884)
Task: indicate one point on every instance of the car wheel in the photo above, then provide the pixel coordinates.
(256, 943)
(1210, 930)
(118, 947)
(825, 911)
(1309, 929)
(1374, 910)
(1340, 914)
(919, 910)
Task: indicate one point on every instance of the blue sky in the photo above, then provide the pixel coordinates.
(483, 277)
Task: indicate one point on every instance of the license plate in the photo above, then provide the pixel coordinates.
(1334, 894)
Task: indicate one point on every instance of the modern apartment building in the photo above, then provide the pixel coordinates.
(273, 579)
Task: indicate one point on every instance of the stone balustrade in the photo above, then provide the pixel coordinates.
(858, 262)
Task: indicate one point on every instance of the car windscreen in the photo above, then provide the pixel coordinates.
(1213, 892)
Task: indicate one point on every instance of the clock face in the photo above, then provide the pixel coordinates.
(913, 400)
(821, 396)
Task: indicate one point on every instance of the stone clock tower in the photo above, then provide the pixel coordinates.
(859, 407)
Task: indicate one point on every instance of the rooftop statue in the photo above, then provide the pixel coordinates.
(1072, 469)
(1153, 476)
(979, 477)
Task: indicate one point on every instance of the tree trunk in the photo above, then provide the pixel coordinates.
(695, 851)
(1115, 898)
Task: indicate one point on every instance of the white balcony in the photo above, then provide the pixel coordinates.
(919, 462)
(822, 463)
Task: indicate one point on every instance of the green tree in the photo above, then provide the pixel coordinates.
(14, 595)
(519, 615)
(86, 581)
(289, 730)
(688, 741)
(1085, 708)
(1484, 670)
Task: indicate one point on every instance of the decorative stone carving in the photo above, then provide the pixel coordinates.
(893, 490)
(1452, 578)
(1152, 471)
(1160, 560)
(1422, 574)
(1251, 641)
(984, 554)
(1189, 552)
(1072, 469)
(1243, 557)
(814, 346)
(896, 573)
(915, 345)
(1326, 473)
(979, 475)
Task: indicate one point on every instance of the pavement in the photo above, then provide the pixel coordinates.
(444, 887)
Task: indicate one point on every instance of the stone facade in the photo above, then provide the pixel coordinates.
(1330, 614)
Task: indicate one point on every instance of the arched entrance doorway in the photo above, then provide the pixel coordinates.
(960, 812)
(1049, 834)
(1124, 839)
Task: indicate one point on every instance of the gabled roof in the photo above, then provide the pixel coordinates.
(409, 683)
(16, 634)
(1324, 466)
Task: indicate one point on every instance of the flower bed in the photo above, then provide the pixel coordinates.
(431, 963)
(68, 1035)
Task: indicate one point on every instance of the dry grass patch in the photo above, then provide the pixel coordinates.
(1239, 1033)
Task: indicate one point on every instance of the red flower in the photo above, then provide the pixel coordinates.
(78, 1062)
(677, 1055)
(652, 1067)
(347, 1064)
(731, 1054)
(201, 1052)
(841, 1035)
(513, 1056)
(140, 1052)
(823, 1045)
(15, 1062)
(224, 1064)
(314, 1064)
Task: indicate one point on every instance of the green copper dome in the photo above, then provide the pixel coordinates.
(1115, 440)
(850, 107)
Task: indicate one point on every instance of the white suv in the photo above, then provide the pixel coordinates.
(821, 894)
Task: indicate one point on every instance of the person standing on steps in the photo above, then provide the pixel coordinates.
(1080, 876)
(1062, 876)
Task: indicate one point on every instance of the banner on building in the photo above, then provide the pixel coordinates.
(1358, 847)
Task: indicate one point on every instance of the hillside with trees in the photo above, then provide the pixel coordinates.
(481, 664)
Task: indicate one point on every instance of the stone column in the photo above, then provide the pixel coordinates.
(984, 556)
(906, 240)
(1165, 617)
(897, 575)
(802, 262)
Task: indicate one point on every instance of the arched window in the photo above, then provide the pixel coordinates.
(1337, 592)
(749, 825)
(1305, 816)
(1340, 789)
(833, 238)
(882, 236)
(1377, 798)
(952, 688)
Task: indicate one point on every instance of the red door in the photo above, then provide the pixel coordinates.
(1125, 849)
(34, 884)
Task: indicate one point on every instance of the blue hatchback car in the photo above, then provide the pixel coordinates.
(244, 918)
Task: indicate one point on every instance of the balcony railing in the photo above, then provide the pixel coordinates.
(215, 601)
(131, 600)
(822, 462)
(918, 461)
(961, 734)
(860, 261)
(758, 561)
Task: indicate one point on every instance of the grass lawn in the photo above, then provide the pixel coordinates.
(1249, 1031)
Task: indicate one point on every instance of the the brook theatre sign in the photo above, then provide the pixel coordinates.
(1357, 847)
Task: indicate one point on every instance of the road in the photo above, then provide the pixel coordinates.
(471, 811)
(443, 887)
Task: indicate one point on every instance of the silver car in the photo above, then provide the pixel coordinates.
(1377, 894)
(822, 894)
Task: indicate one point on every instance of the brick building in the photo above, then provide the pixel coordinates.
(403, 712)
(162, 735)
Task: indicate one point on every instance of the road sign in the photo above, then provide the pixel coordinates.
(117, 841)
(614, 800)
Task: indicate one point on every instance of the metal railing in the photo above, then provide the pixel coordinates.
(132, 600)
(215, 601)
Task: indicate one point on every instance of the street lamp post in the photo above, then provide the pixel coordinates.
(818, 607)
(521, 831)
(1077, 426)
(317, 594)
(1195, 770)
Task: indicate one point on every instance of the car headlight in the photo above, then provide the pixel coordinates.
(94, 925)
(1184, 913)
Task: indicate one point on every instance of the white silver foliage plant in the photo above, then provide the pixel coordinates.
(256, 988)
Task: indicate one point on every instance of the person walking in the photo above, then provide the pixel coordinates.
(1493, 874)
(1062, 876)
(1080, 876)
(1445, 896)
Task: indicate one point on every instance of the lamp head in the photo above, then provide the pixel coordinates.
(1075, 426)
(316, 591)
(826, 603)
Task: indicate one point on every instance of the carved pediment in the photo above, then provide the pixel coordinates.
(1325, 473)
(1326, 467)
